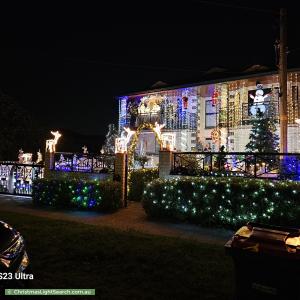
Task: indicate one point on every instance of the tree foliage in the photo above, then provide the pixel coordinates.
(263, 137)
(109, 144)
(16, 130)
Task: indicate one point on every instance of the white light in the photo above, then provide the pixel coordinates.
(122, 142)
(168, 141)
(157, 129)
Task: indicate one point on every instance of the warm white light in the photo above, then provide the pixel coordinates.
(122, 142)
(130, 133)
(39, 157)
(120, 145)
(157, 129)
(85, 149)
(50, 144)
(24, 158)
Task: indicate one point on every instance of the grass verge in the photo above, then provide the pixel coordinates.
(120, 264)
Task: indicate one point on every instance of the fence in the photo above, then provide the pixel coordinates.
(17, 178)
(84, 163)
(244, 164)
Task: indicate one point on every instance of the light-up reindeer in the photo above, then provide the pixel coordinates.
(129, 134)
(122, 142)
(24, 158)
(50, 144)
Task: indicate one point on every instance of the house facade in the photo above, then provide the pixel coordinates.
(211, 114)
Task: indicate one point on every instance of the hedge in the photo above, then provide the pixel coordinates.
(226, 202)
(91, 195)
(138, 180)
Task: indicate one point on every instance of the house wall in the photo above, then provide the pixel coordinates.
(232, 119)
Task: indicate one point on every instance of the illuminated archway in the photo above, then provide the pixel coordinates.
(155, 128)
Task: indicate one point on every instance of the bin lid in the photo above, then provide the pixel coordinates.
(267, 239)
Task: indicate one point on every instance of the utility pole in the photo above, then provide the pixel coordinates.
(283, 81)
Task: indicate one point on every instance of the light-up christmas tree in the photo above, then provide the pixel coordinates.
(263, 137)
(109, 144)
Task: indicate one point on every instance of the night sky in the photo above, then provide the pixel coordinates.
(66, 64)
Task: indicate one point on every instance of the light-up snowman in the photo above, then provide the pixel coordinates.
(258, 101)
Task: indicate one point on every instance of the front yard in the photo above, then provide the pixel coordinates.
(122, 265)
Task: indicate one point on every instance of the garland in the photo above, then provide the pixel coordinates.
(134, 141)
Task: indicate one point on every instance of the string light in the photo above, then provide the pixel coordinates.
(77, 193)
(249, 200)
(155, 128)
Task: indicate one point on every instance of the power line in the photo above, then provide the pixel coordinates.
(123, 65)
(213, 3)
(145, 67)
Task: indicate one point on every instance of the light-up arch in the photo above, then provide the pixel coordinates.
(156, 128)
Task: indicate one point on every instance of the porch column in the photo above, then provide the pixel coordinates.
(165, 163)
(120, 174)
(49, 163)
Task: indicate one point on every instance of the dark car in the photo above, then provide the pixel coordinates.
(13, 255)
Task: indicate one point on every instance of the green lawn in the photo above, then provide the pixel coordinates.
(122, 265)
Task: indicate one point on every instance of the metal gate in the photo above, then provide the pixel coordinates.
(16, 178)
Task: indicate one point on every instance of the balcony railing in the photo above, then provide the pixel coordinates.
(186, 120)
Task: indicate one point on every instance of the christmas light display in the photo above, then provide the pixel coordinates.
(85, 149)
(215, 135)
(51, 144)
(155, 128)
(137, 181)
(263, 137)
(237, 109)
(92, 195)
(83, 163)
(258, 100)
(120, 145)
(122, 142)
(24, 158)
(172, 108)
(110, 138)
(232, 107)
(223, 201)
(168, 141)
(39, 157)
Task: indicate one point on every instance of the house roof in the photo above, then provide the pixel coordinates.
(214, 75)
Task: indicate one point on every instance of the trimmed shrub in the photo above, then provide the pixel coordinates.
(91, 195)
(227, 202)
(138, 180)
